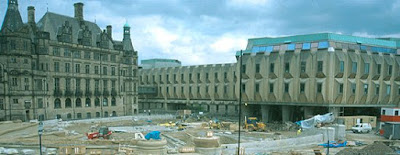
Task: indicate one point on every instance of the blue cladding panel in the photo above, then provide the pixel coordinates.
(323, 44)
(363, 48)
(269, 49)
(291, 46)
(383, 50)
(262, 48)
(255, 49)
(306, 46)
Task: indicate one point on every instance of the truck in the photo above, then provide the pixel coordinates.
(362, 128)
(253, 124)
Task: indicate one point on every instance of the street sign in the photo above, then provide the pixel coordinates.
(40, 128)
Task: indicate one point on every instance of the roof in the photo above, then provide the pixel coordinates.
(12, 19)
(383, 42)
(160, 60)
(51, 22)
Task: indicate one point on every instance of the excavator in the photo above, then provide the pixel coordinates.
(103, 133)
(253, 124)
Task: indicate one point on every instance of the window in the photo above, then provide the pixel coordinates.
(286, 87)
(77, 68)
(182, 77)
(67, 53)
(354, 67)
(217, 108)
(104, 70)
(78, 84)
(26, 80)
(56, 83)
(77, 54)
(104, 57)
(67, 67)
(96, 85)
(396, 113)
(320, 66)
(78, 102)
(79, 115)
(67, 84)
(96, 69)
(257, 88)
(69, 116)
(215, 89)
(68, 103)
(271, 68)
(97, 102)
(15, 101)
(302, 87)
(40, 103)
(87, 102)
(88, 115)
(388, 89)
(97, 114)
(112, 70)
(243, 68)
(341, 66)
(225, 75)
(56, 67)
(287, 67)
(96, 56)
(271, 87)
(383, 112)
(225, 89)
(87, 55)
(206, 76)
(378, 69)
(216, 75)
(13, 60)
(87, 69)
(366, 68)
(377, 89)
(243, 87)
(341, 88)
(365, 89)
(14, 81)
(1, 104)
(113, 58)
(113, 85)
(303, 67)
(353, 88)
(87, 85)
(390, 67)
(182, 90)
(319, 87)
(26, 61)
(56, 51)
(257, 68)
(105, 102)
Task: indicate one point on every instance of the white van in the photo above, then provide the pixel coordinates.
(362, 127)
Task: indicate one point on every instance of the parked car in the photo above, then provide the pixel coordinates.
(362, 128)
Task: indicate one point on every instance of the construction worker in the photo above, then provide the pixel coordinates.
(299, 131)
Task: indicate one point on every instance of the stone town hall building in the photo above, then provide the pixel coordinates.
(64, 67)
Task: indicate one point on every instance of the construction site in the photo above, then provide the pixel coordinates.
(190, 133)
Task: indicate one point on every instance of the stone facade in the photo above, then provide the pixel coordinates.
(64, 67)
(284, 80)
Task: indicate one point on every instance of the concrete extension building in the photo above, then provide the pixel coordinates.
(159, 63)
(64, 67)
(286, 78)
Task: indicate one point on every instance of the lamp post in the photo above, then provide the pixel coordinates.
(240, 98)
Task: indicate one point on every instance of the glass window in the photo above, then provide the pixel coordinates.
(341, 66)
(243, 87)
(366, 68)
(378, 69)
(77, 54)
(67, 67)
(271, 87)
(341, 88)
(390, 67)
(365, 88)
(67, 53)
(302, 87)
(319, 87)
(271, 68)
(255, 49)
(56, 51)
(353, 88)
(354, 67)
(377, 89)
(287, 67)
(388, 89)
(303, 66)
(243, 68)
(320, 66)
(56, 66)
(257, 68)
(77, 68)
(286, 87)
(257, 87)
(87, 55)
(269, 49)
(291, 47)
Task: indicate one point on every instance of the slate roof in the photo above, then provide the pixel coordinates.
(12, 20)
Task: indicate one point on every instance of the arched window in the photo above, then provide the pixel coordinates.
(114, 113)
(105, 114)
(68, 103)
(113, 101)
(97, 114)
(69, 116)
(105, 101)
(97, 102)
(78, 102)
(57, 103)
(87, 103)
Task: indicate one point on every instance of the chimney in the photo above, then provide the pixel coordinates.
(31, 15)
(79, 11)
(109, 31)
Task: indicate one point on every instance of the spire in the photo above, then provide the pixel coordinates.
(127, 43)
(12, 20)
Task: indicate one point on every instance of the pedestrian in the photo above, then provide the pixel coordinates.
(149, 113)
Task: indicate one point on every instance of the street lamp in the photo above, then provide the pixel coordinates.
(240, 98)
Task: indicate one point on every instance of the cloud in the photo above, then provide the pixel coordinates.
(209, 31)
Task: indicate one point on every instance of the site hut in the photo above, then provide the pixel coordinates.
(64, 67)
(286, 79)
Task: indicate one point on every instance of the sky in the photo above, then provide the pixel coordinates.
(211, 31)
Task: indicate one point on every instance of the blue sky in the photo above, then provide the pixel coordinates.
(210, 31)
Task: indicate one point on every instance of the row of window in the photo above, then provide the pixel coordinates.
(146, 77)
(87, 84)
(225, 89)
(78, 102)
(97, 70)
(319, 88)
(88, 115)
(86, 55)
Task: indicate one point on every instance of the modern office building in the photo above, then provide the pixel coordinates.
(159, 63)
(64, 67)
(286, 78)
